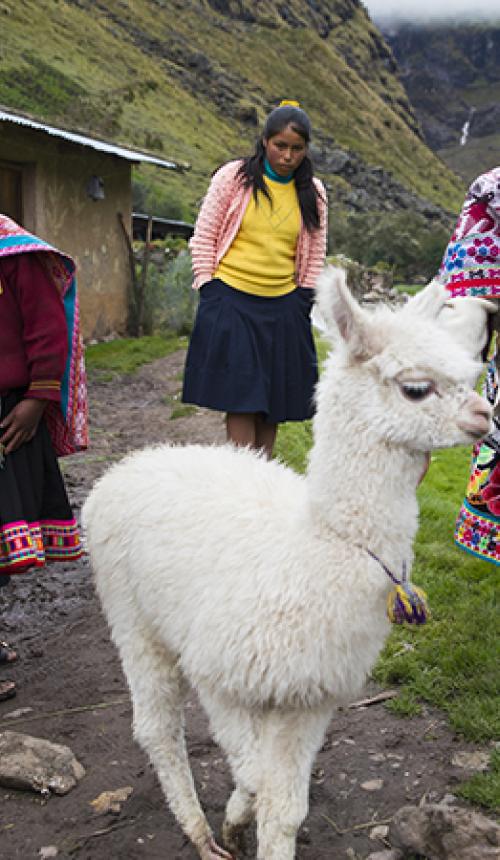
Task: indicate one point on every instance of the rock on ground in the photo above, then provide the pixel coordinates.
(35, 763)
(441, 832)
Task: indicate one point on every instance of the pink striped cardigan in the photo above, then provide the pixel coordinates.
(219, 220)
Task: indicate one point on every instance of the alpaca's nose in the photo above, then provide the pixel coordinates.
(477, 417)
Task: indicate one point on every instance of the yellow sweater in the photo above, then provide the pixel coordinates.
(261, 259)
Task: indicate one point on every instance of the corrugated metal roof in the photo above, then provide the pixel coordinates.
(161, 227)
(84, 140)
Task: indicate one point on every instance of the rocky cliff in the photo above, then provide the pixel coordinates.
(451, 75)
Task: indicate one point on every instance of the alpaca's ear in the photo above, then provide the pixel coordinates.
(490, 307)
(429, 301)
(341, 312)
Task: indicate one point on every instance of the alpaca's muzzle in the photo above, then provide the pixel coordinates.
(477, 418)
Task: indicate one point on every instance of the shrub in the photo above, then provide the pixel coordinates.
(402, 241)
(169, 301)
(154, 199)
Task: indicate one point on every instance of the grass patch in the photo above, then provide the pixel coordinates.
(179, 409)
(295, 437)
(41, 84)
(293, 444)
(405, 705)
(453, 661)
(126, 355)
(484, 788)
(182, 411)
(411, 289)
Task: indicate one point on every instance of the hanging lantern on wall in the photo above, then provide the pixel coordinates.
(95, 188)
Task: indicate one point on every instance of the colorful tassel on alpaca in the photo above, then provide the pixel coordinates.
(407, 603)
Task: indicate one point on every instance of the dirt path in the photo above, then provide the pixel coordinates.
(69, 675)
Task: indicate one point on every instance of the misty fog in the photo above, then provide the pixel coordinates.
(423, 11)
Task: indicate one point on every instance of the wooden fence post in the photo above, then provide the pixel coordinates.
(132, 323)
(144, 275)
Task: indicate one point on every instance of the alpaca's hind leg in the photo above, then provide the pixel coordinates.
(290, 742)
(237, 731)
(156, 685)
(239, 813)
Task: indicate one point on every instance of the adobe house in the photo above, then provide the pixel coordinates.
(74, 191)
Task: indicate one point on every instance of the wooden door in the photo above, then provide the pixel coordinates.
(11, 192)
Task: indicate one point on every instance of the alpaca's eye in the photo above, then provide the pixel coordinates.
(417, 390)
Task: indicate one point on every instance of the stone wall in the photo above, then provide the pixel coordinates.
(368, 285)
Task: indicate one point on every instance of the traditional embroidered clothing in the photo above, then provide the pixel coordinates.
(36, 521)
(41, 357)
(68, 423)
(471, 267)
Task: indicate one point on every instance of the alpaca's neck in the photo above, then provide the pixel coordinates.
(365, 490)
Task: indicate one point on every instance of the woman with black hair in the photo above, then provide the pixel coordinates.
(258, 247)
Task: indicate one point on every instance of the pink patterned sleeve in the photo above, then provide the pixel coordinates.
(317, 250)
(209, 224)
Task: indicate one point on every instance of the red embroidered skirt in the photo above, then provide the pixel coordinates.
(36, 521)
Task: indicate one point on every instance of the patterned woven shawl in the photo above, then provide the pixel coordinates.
(67, 422)
(471, 264)
(471, 267)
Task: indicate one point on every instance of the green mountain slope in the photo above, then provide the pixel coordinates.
(193, 80)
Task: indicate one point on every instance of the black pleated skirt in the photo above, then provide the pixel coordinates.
(252, 354)
(36, 521)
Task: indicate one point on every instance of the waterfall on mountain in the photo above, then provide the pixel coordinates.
(466, 127)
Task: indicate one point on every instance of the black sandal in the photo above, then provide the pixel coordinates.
(7, 655)
(7, 690)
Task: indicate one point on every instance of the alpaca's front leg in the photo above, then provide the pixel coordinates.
(212, 851)
(290, 743)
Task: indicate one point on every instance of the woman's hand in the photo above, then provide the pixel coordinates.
(20, 425)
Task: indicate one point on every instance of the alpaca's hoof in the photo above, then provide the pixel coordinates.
(233, 838)
(212, 851)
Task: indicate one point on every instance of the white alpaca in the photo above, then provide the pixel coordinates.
(219, 568)
(467, 320)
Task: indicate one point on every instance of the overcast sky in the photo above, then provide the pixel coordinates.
(430, 10)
